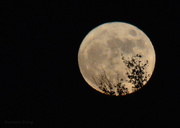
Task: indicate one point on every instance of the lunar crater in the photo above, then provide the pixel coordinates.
(132, 32)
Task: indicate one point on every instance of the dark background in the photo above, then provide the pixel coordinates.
(40, 79)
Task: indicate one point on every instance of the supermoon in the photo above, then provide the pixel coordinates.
(116, 58)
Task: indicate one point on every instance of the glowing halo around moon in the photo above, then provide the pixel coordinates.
(116, 58)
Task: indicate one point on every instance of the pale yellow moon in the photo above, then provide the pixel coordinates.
(116, 58)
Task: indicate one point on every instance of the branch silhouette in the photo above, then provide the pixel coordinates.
(136, 74)
(136, 71)
(108, 87)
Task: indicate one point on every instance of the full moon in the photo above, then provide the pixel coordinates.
(116, 58)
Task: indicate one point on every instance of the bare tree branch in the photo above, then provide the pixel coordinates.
(108, 87)
(136, 71)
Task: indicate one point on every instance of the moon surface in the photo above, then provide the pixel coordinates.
(116, 58)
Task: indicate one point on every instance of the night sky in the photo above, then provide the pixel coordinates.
(41, 85)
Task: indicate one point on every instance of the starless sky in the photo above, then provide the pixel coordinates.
(40, 79)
